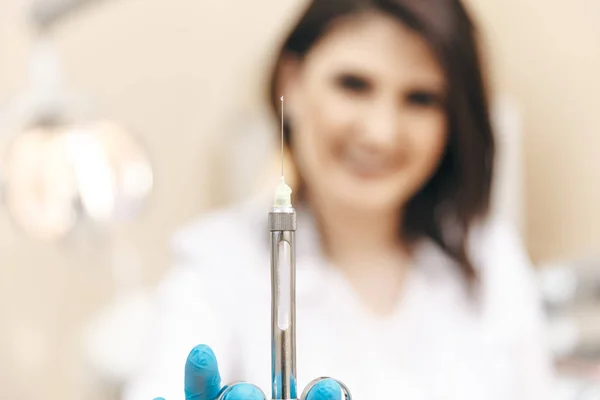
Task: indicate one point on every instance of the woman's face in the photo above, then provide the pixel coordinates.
(367, 112)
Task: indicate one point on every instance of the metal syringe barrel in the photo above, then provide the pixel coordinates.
(282, 226)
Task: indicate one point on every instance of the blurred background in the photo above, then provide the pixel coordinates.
(168, 96)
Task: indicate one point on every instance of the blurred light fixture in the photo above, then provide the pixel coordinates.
(61, 164)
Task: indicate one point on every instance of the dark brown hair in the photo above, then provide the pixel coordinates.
(459, 191)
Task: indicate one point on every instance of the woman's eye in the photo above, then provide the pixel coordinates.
(353, 83)
(424, 98)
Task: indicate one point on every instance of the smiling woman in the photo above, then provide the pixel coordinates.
(406, 287)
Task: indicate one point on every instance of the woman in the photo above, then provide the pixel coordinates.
(407, 288)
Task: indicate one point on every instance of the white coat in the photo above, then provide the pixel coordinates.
(435, 346)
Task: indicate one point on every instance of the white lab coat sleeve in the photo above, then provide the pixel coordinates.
(516, 298)
(188, 312)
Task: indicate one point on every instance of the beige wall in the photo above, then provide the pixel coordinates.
(178, 71)
(547, 55)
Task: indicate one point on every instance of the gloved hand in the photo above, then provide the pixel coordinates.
(203, 381)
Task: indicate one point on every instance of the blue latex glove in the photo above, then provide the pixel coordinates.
(203, 381)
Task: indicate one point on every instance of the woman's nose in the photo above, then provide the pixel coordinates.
(381, 125)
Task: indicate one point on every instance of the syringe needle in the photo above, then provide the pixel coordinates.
(281, 135)
(282, 192)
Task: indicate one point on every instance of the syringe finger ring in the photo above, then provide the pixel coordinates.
(312, 384)
(229, 388)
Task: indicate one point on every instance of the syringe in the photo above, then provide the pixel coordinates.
(282, 227)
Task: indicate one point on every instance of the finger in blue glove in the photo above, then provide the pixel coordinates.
(203, 380)
(202, 377)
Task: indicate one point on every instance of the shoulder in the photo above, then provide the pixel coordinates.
(497, 249)
(230, 231)
(493, 246)
(223, 248)
(506, 277)
(508, 280)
